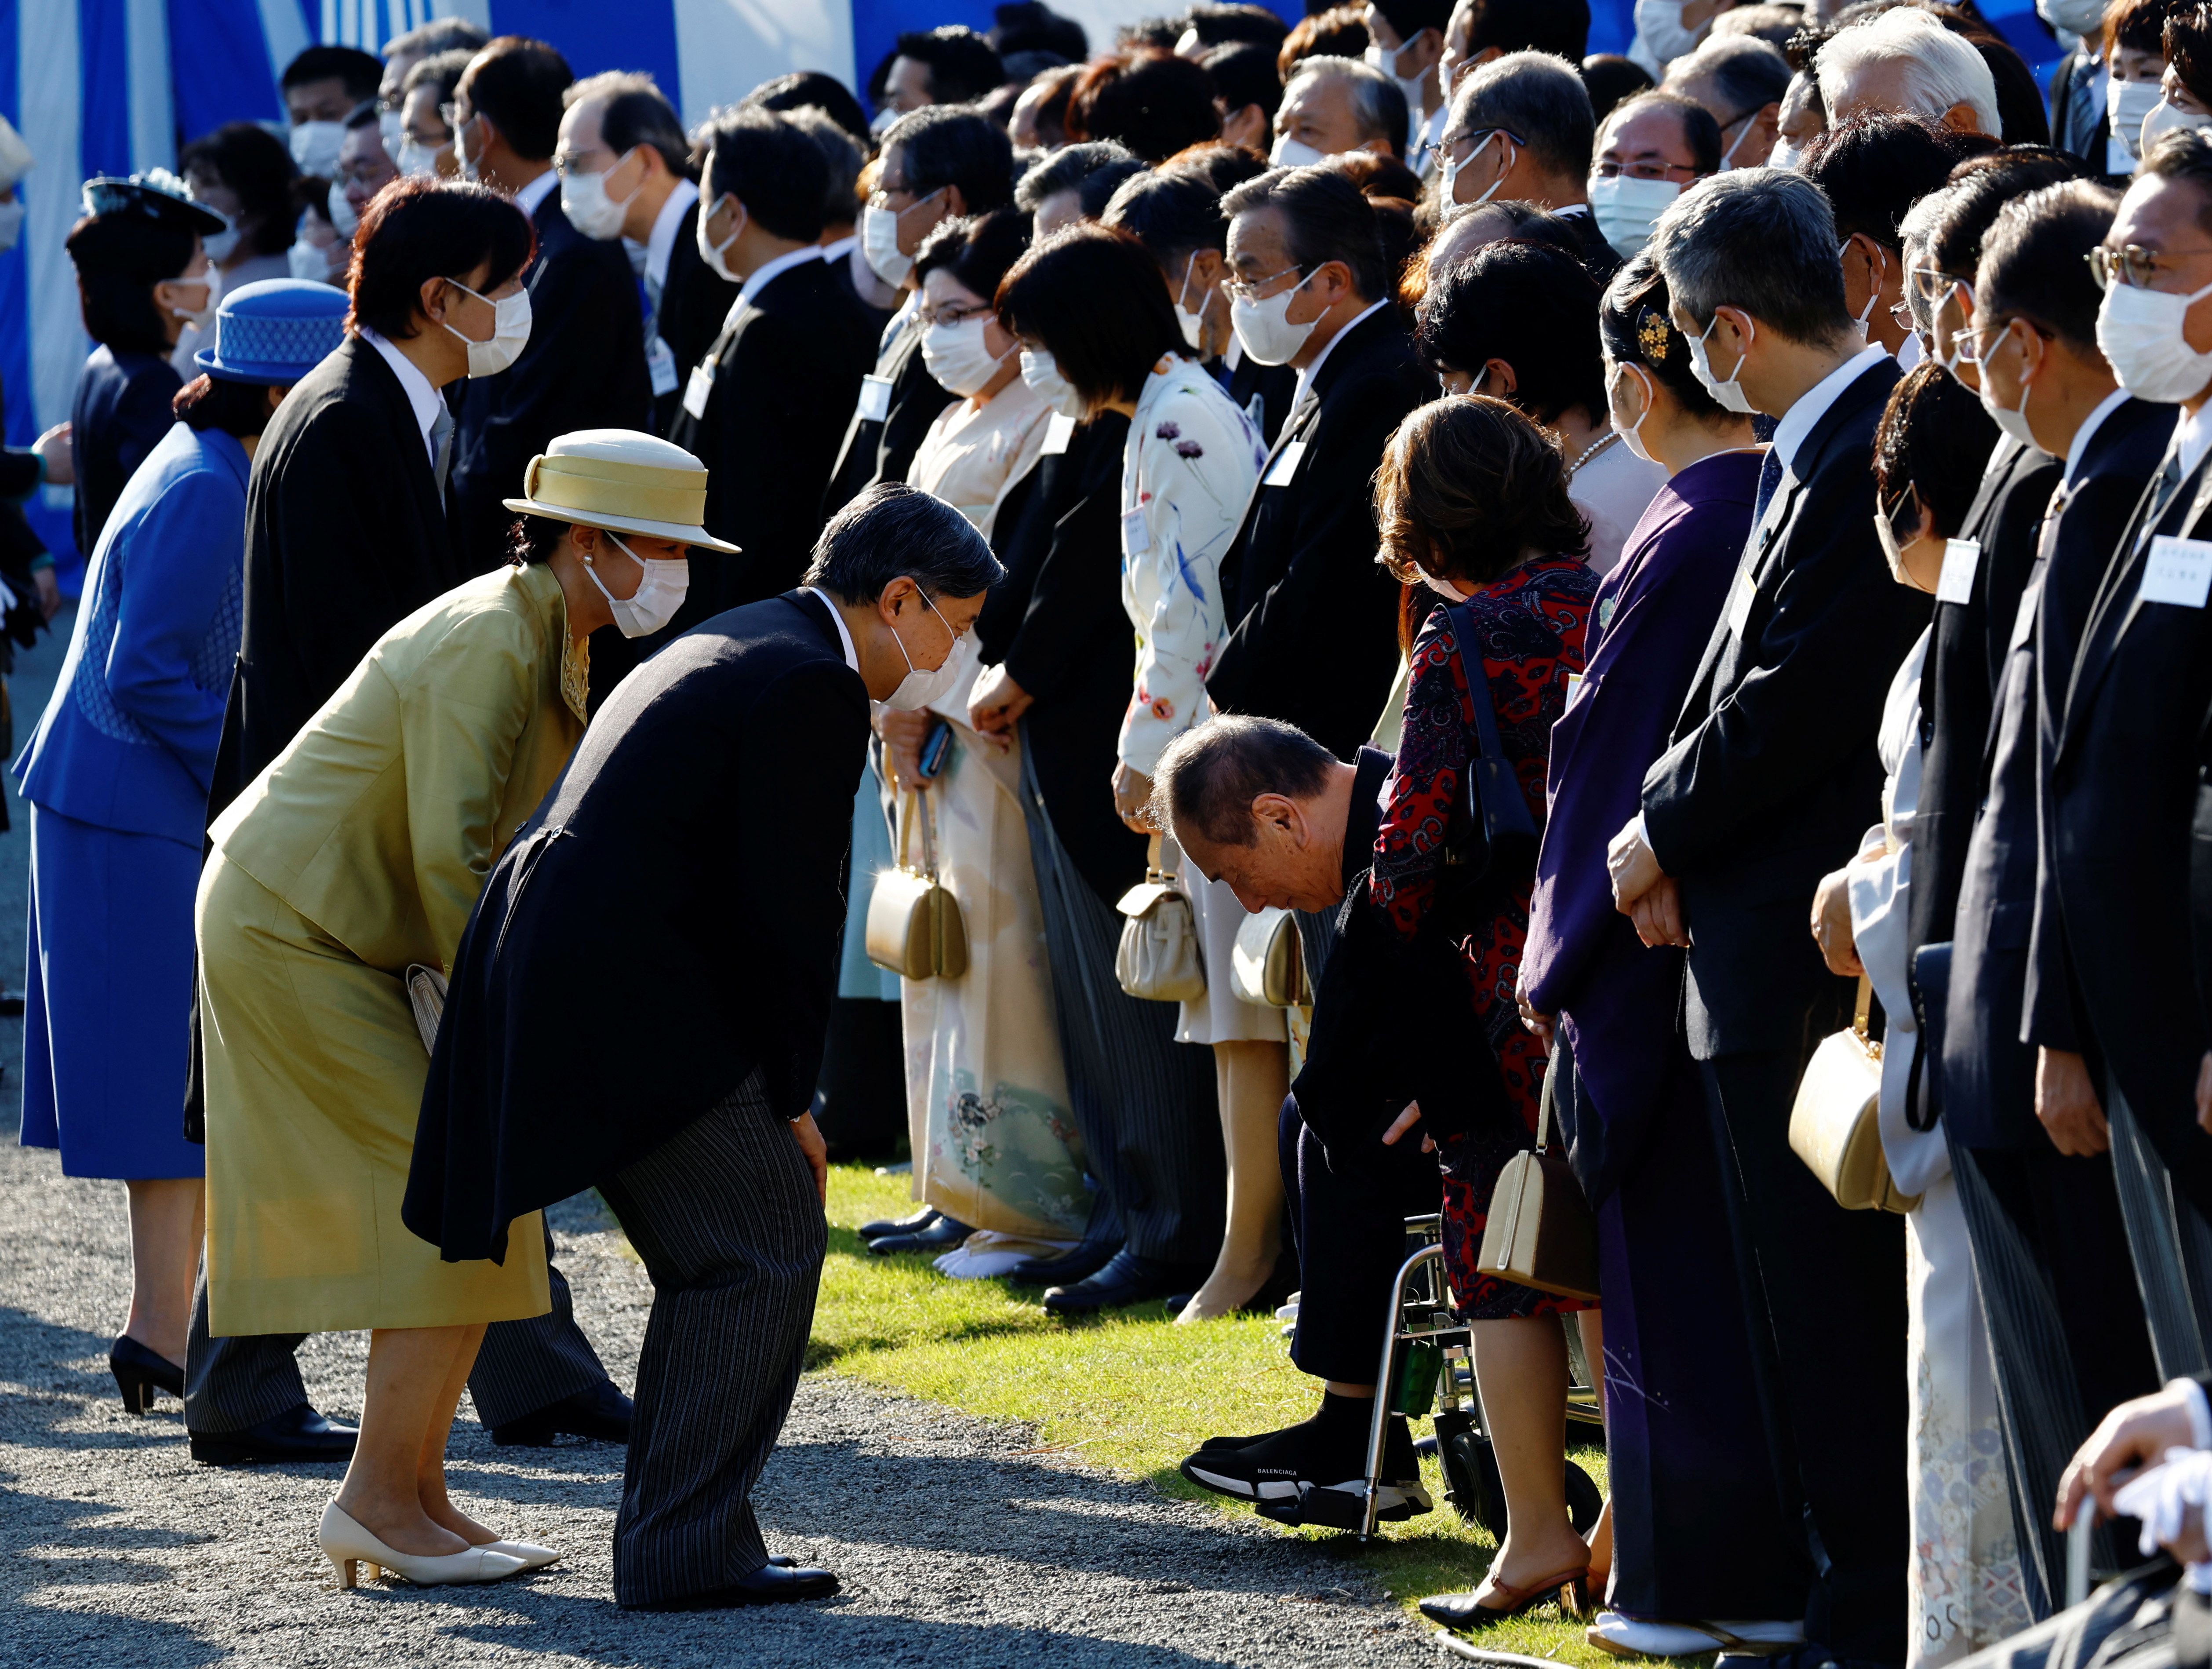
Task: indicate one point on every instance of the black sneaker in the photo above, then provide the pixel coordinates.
(1339, 1503)
(1313, 1472)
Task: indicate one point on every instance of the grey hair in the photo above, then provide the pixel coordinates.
(1747, 74)
(1940, 69)
(1763, 240)
(1540, 99)
(842, 152)
(893, 530)
(1378, 115)
(1209, 776)
(1914, 234)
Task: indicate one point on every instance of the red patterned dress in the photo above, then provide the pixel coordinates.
(1531, 625)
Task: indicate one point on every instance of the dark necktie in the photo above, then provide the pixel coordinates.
(2161, 493)
(1769, 478)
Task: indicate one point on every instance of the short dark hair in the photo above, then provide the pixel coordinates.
(1325, 218)
(1216, 25)
(945, 146)
(1530, 222)
(767, 162)
(2139, 25)
(1244, 75)
(2184, 154)
(1747, 74)
(841, 154)
(1700, 132)
(2188, 48)
(517, 82)
(236, 408)
(1875, 165)
(1532, 306)
(119, 258)
(1936, 438)
(357, 71)
(1029, 26)
(1611, 80)
(1978, 189)
(637, 112)
(440, 34)
(891, 530)
(255, 164)
(1378, 104)
(977, 251)
(1094, 297)
(1636, 329)
(1223, 166)
(1072, 167)
(1539, 100)
(1763, 240)
(1151, 101)
(2035, 260)
(1172, 211)
(962, 65)
(1208, 777)
(815, 90)
(1409, 17)
(1560, 28)
(440, 70)
(416, 230)
(1340, 31)
(1466, 487)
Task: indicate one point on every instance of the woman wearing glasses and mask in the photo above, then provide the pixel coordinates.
(348, 867)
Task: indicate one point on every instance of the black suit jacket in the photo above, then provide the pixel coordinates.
(1056, 622)
(345, 536)
(1772, 775)
(1601, 257)
(583, 368)
(1314, 638)
(1273, 385)
(878, 451)
(119, 413)
(1959, 679)
(695, 846)
(2123, 793)
(1988, 1073)
(840, 268)
(695, 300)
(786, 368)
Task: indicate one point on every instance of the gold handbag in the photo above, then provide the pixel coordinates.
(1265, 966)
(1541, 1232)
(1158, 958)
(426, 994)
(1835, 1125)
(914, 926)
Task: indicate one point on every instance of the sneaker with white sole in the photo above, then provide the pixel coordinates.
(1636, 1636)
(1313, 1472)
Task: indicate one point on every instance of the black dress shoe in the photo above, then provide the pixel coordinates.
(601, 1414)
(10, 1004)
(1126, 1279)
(943, 1234)
(139, 1373)
(1068, 1268)
(299, 1433)
(772, 1584)
(883, 1226)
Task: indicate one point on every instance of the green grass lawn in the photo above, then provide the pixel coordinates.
(1132, 1392)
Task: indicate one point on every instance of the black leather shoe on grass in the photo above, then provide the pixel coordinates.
(1068, 1267)
(942, 1234)
(883, 1226)
(1126, 1279)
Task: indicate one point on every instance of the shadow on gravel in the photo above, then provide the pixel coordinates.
(46, 1356)
(47, 1633)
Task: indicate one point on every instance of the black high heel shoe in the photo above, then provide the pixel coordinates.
(139, 1373)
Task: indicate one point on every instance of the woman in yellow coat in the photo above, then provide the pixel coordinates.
(358, 855)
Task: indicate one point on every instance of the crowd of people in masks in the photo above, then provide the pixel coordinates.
(1605, 654)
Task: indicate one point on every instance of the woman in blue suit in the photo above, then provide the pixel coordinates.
(116, 778)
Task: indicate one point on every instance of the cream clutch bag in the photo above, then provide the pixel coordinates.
(1266, 967)
(1158, 959)
(1834, 1124)
(915, 927)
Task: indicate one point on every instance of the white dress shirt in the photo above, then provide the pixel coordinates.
(766, 274)
(842, 250)
(427, 401)
(535, 192)
(660, 242)
(844, 633)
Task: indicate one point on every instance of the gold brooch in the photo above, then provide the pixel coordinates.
(1652, 336)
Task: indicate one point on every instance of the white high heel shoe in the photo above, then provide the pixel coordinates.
(345, 1544)
(530, 1553)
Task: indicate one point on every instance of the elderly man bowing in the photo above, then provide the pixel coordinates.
(639, 1002)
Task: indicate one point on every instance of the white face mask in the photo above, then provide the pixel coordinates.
(1452, 170)
(1660, 23)
(462, 160)
(1881, 272)
(1784, 156)
(343, 220)
(1443, 588)
(1887, 537)
(2072, 17)
(957, 355)
(922, 686)
(1727, 157)
(1041, 372)
(304, 260)
(1628, 431)
(1265, 327)
(1193, 323)
(1291, 153)
(197, 317)
(660, 592)
(598, 217)
(2013, 419)
(2165, 119)
(416, 161)
(219, 247)
(391, 129)
(879, 240)
(510, 331)
(2139, 332)
(716, 254)
(2127, 103)
(1729, 393)
(315, 146)
(1627, 209)
(11, 226)
(1412, 87)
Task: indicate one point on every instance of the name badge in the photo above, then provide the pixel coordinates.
(1134, 539)
(1057, 434)
(1739, 609)
(1574, 687)
(695, 391)
(1955, 584)
(1285, 465)
(2177, 571)
(660, 360)
(2023, 619)
(875, 398)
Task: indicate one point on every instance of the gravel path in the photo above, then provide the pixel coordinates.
(957, 1545)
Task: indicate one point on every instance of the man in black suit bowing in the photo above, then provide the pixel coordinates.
(1312, 637)
(768, 403)
(1771, 779)
(2066, 1324)
(668, 845)
(583, 363)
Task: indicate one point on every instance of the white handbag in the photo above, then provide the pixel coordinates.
(1158, 958)
(1834, 1124)
(1267, 967)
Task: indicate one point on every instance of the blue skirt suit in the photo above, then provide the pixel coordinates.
(117, 777)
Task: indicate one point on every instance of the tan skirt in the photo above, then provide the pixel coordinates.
(314, 1072)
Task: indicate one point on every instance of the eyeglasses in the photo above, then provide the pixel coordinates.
(2133, 264)
(1935, 286)
(568, 165)
(1247, 289)
(1479, 135)
(1645, 171)
(451, 115)
(957, 313)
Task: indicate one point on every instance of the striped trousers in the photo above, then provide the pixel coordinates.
(2170, 1243)
(725, 1215)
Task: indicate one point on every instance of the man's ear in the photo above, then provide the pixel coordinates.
(956, 203)
(1278, 812)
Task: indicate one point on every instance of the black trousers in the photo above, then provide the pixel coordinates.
(231, 1384)
(1348, 1221)
(1824, 1300)
(726, 1218)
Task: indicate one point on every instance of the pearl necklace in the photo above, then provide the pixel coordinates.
(1592, 450)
